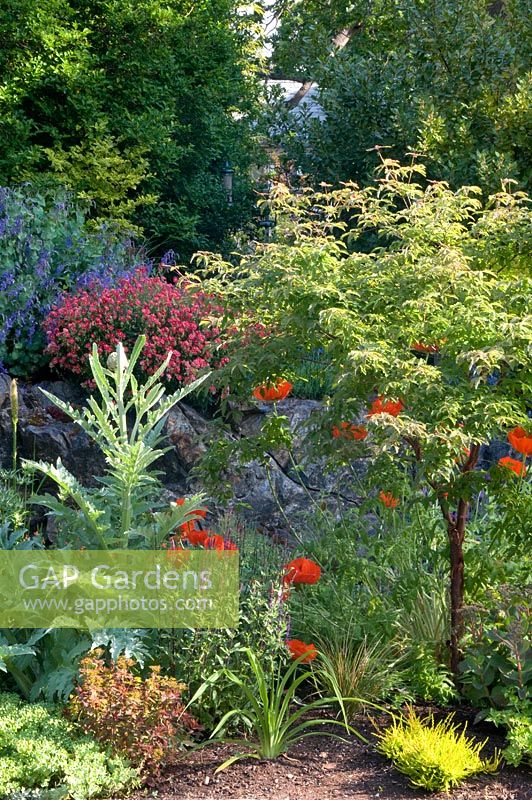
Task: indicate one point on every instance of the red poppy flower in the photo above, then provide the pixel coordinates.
(302, 570)
(214, 542)
(298, 648)
(269, 393)
(187, 527)
(512, 463)
(196, 537)
(388, 499)
(382, 406)
(229, 545)
(346, 430)
(420, 347)
(521, 441)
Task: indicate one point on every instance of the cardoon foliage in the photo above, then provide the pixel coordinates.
(46, 248)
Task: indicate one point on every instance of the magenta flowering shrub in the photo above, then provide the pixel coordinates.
(168, 314)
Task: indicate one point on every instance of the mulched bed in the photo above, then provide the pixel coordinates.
(321, 768)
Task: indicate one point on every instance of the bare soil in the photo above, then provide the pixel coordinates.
(322, 768)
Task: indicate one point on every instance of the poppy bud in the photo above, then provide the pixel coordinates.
(13, 399)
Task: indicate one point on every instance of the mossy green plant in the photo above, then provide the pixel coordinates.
(41, 750)
(436, 756)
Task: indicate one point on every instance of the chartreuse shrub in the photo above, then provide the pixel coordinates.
(142, 718)
(428, 334)
(40, 749)
(435, 756)
(47, 247)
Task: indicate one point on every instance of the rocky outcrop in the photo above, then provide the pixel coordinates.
(269, 492)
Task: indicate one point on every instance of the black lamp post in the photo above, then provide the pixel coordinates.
(227, 180)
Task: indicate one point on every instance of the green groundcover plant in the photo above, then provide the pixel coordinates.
(40, 749)
(429, 333)
(518, 724)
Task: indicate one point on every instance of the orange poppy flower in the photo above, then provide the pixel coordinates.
(420, 347)
(196, 537)
(269, 393)
(348, 431)
(521, 441)
(229, 545)
(214, 542)
(512, 463)
(302, 570)
(298, 648)
(382, 406)
(388, 499)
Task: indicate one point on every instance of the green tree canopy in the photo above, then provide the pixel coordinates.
(450, 79)
(134, 104)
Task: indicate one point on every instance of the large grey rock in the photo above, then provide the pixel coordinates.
(269, 492)
(5, 383)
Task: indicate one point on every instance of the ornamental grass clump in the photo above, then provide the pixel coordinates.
(435, 756)
(270, 709)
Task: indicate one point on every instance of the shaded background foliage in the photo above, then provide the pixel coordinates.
(450, 79)
(132, 105)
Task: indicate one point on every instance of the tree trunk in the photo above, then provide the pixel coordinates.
(456, 528)
(456, 533)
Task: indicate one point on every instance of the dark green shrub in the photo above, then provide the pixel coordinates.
(125, 103)
(449, 79)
